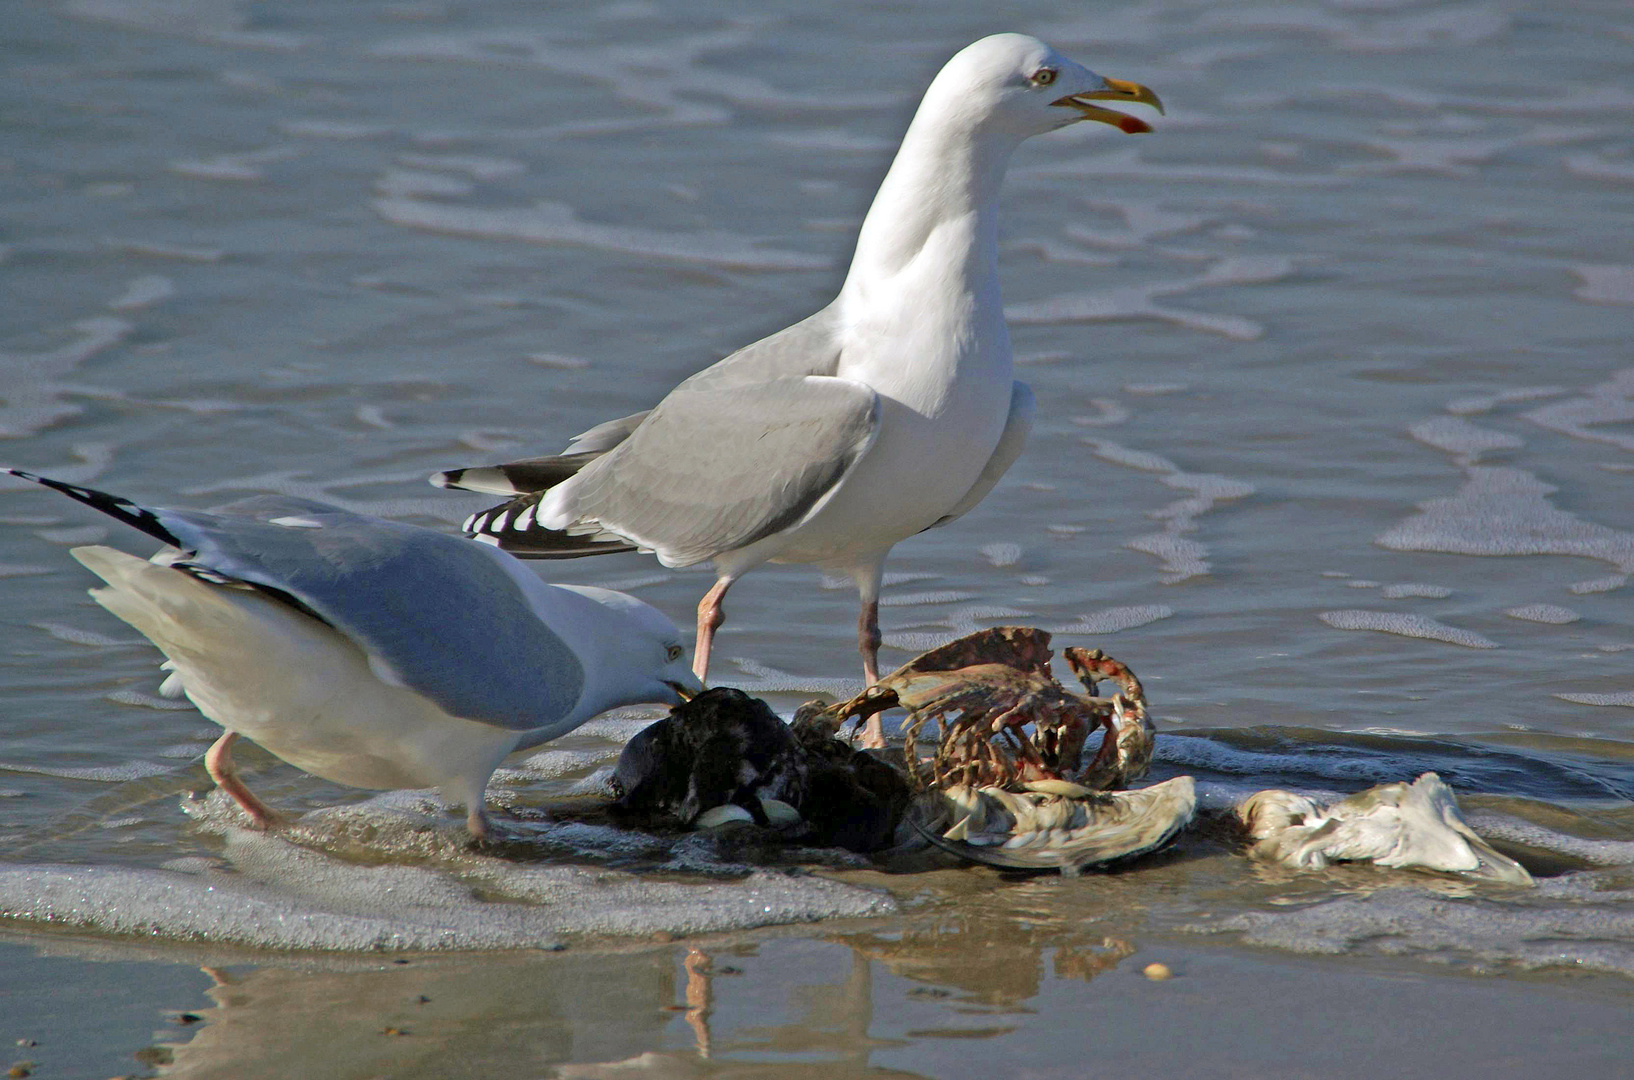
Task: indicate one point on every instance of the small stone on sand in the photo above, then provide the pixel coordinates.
(1157, 972)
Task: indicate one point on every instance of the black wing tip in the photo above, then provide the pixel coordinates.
(89, 496)
(115, 506)
(511, 528)
(527, 476)
(540, 551)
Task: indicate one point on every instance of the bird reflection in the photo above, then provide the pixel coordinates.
(426, 1016)
(825, 1036)
(699, 998)
(999, 963)
(588, 1016)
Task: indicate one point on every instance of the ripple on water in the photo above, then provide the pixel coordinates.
(1111, 620)
(143, 292)
(105, 774)
(1405, 624)
(1605, 284)
(1484, 403)
(75, 636)
(1610, 402)
(149, 701)
(1412, 589)
(765, 679)
(1458, 436)
(1479, 932)
(211, 23)
(1140, 301)
(418, 184)
(1182, 557)
(1599, 167)
(1002, 553)
(1599, 585)
(1625, 698)
(36, 383)
(1553, 614)
(557, 223)
(476, 166)
(1504, 511)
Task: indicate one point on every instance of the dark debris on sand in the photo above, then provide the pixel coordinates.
(726, 748)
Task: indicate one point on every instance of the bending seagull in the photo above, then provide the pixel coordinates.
(370, 652)
(890, 411)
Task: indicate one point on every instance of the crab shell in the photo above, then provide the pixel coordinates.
(1043, 830)
(1004, 720)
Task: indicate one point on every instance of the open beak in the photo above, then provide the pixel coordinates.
(1115, 90)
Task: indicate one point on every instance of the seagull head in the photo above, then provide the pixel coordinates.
(1018, 84)
(645, 657)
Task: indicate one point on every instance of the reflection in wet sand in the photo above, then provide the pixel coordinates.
(823, 1031)
(428, 1017)
(995, 961)
(588, 1016)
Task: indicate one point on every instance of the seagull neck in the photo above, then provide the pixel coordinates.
(941, 190)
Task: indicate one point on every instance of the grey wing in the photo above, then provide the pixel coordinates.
(806, 348)
(605, 435)
(529, 475)
(715, 468)
(1011, 443)
(441, 613)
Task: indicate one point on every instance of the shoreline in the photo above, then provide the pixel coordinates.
(785, 1001)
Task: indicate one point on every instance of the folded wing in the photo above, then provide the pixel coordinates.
(437, 614)
(740, 451)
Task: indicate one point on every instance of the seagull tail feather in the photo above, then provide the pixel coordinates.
(512, 528)
(525, 477)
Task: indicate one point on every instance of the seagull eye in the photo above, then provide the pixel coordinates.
(1043, 76)
(673, 653)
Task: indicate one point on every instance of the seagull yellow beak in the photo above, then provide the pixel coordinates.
(682, 691)
(1115, 90)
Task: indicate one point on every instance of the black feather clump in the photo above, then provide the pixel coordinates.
(721, 747)
(724, 747)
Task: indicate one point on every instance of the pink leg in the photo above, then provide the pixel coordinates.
(218, 762)
(868, 639)
(476, 821)
(710, 616)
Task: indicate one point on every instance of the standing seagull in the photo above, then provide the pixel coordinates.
(370, 652)
(890, 411)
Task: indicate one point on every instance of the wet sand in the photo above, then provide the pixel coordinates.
(920, 996)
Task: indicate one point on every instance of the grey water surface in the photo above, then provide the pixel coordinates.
(1335, 448)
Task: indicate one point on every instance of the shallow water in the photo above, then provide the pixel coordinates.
(1333, 443)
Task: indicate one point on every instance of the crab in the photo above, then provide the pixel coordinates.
(1006, 783)
(1003, 718)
